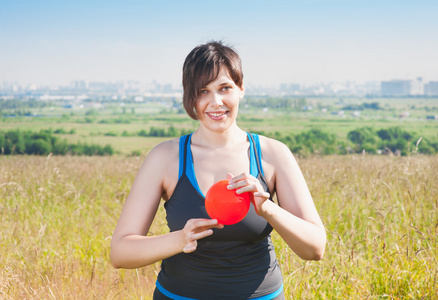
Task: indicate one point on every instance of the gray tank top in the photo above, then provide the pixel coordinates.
(237, 261)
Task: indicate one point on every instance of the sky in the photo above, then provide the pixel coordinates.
(305, 42)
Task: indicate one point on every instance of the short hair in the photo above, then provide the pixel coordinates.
(202, 66)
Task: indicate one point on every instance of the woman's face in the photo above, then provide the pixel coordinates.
(218, 103)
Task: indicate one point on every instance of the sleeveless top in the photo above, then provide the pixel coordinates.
(237, 261)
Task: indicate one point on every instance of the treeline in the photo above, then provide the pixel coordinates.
(294, 103)
(153, 132)
(23, 105)
(372, 105)
(44, 142)
(283, 103)
(392, 140)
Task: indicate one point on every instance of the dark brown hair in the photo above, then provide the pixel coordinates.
(202, 66)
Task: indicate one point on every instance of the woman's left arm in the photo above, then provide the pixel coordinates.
(295, 218)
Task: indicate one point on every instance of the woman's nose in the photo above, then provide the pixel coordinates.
(216, 100)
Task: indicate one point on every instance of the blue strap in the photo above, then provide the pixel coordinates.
(177, 297)
(182, 141)
(271, 295)
(190, 168)
(169, 294)
(186, 161)
(253, 170)
(259, 151)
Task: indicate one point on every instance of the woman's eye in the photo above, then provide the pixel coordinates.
(226, 88)
(203, 92)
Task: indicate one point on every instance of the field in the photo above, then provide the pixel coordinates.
(380, 212)
(118, 125)
(57, 213)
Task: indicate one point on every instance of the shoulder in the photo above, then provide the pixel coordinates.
(163, 153)
(160, 167)
(165, 147)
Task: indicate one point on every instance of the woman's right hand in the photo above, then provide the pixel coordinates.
(196, 229)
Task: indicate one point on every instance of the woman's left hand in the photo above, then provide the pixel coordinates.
(247, 183)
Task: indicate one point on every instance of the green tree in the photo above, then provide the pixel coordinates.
(41, 147)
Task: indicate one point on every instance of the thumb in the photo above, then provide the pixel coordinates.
(229, 176)
(190, 247)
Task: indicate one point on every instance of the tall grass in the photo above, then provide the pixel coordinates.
(57, 215)
(381, 217)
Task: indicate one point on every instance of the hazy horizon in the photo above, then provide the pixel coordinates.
(305, 42)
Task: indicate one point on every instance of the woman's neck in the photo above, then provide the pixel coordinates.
(218, 139)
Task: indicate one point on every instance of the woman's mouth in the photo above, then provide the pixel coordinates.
(217, 115)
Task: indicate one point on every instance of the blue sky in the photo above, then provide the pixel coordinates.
(54, 42)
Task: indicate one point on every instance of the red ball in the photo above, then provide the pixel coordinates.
(226, 206)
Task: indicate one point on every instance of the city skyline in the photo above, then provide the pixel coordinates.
(178, 86)
(134, 89)
(304, 42)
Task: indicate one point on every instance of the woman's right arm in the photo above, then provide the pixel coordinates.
(130, 245)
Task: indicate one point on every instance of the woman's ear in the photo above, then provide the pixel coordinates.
(242, 92)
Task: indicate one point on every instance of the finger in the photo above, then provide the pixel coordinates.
(201, 235)
(244, 182)
(241, 183)
(201, 229)
(229, 176)
(262, 195)
(190, 247)
(248, 188)
(193, 238)
(196, 224)
(239, 177)
(200, 226)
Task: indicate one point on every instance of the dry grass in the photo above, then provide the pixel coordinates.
(57, 215)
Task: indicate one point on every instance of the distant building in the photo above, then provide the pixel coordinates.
(290, 89)
(431, 88)
(79, 84)
(396, 88)
(138, 98)
(167, 88)
(400, 88)
(417, 87)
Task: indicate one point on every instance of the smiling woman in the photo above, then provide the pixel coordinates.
(201, 258)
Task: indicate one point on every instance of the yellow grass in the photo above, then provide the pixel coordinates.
(57, 215)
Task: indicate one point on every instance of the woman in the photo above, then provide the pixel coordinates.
(202, 259)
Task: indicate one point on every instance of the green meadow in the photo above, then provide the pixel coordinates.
(119, 126)
(58, 212)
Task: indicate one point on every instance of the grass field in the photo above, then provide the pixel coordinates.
(111, 119)
(58, 213)
(269, 124)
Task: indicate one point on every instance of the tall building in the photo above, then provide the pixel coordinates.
(400, 88)
(431, 88)
(395, 87)
(417, 87)
(79, 84)
(290, 89)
